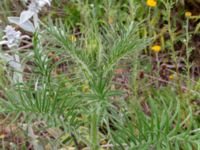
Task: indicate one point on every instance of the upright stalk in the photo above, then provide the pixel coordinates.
(172, 39)
(188, 51)
(17, 75)
(94, 131)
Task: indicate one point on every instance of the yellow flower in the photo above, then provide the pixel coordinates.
(171, 77)
(85, 88)
(110, 20)
(156, 48)
(151, 3)
(2, 136)
(103, 142)
(72, 38)
(188, 14)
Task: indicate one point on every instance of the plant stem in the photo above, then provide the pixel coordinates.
(94, 131)
(172, 38)
(187, 52)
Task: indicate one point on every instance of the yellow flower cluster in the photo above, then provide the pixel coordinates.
(151, 3)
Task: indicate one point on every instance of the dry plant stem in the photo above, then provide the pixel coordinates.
(75, 141)
(158, 66)
(135, 85)
(168, 82)
(187, 53)
(25, 47)
(172, 38)
(107, 146)
(112, 146)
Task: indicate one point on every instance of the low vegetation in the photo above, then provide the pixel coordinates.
(99, 75)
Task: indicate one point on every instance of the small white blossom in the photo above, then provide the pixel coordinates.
(12, 37)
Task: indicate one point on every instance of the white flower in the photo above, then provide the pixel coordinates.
(27, 26)
(41, 3)
(12, 37)
(33, 9)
